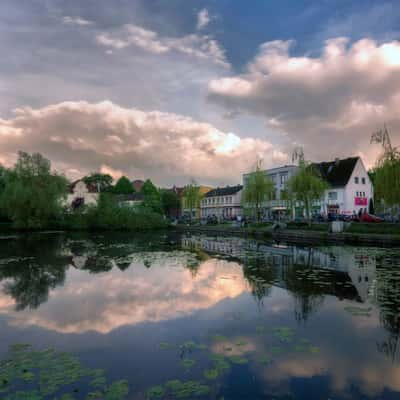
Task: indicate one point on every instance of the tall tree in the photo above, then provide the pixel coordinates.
(191, 197)
(258, 189)
(387, 171)
(152, 198)
(170, 202)
(306, 186)
(33, 193)
(123, 186)
(102, 181)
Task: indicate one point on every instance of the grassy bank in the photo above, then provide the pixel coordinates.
(379, 228)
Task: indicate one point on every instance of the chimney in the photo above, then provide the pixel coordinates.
(337, 160)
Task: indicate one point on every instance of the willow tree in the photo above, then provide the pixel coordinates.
(33, 193)
(306, 186)
(191, 197)
(258, 189)
(387, 171)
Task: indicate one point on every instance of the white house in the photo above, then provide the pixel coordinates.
(350, 188)
(82, 194)
(224, 203)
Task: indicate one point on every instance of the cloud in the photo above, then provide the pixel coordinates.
(193, 45)
(169, 148)
(203, 19)
(76, 21)
(132, 297)
(330, 104)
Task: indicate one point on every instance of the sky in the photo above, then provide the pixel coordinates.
(174, 90)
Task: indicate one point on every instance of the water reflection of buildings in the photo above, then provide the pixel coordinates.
(352, 271)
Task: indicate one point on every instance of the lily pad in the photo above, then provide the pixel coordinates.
(211, 374)
(155, 392)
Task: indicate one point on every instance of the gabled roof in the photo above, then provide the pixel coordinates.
(226, 191)
(137, 184)
(337, 173)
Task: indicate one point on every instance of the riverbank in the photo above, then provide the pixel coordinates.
(298, 236)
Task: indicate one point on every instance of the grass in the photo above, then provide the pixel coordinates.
(377, 228)
(318, 227)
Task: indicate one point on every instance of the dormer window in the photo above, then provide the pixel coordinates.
(356, 180)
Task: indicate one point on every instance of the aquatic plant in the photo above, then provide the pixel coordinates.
(284, 334)
(211, 374)
(188, 363)
(184, 390)
(47, 373)
(155, 392)
(238, 360)
(165, 345)
(358, 311)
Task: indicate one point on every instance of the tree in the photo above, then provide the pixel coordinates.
(306, 186)
(33, 193)
(257, 190)
(191, 197)
(151, 196)
(102, 181)
(387, 171)
(170, 202)
(123, 186)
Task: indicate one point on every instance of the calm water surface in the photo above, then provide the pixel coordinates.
(244, 319)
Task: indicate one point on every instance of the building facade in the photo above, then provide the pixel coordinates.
(222, 203)
(279, 176)
(195, 212)
(81, 194)
(350, 188)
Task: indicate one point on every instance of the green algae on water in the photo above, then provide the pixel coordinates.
(155, 392)
(50, 373)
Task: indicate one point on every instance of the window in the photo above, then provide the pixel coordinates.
(363, 181)
(332, 195)
(357, 194)
(284, 178)
(356, 179)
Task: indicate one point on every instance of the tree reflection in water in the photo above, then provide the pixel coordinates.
(32, 265)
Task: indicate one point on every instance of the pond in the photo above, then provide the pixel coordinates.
(168, 316)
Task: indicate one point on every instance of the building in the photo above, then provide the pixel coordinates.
(350, 188)
(195, 212)
(137, 185)
(279, 176)
(131, 199)
(82, 194)
(224, 203)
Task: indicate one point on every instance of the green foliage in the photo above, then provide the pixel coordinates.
(192, 197)
(152, 198)
(374, 228)
(109, 215)
(387, 181)
(257, 190)
(32, 193)
(306, 187)
(48, 374)
(102, 181)
(169, 201)
(123, 186)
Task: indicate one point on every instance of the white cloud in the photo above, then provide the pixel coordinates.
(76, 21)
(163, 146)
(152, 296)
(203, 19)
(193, 45)
(331, 103)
